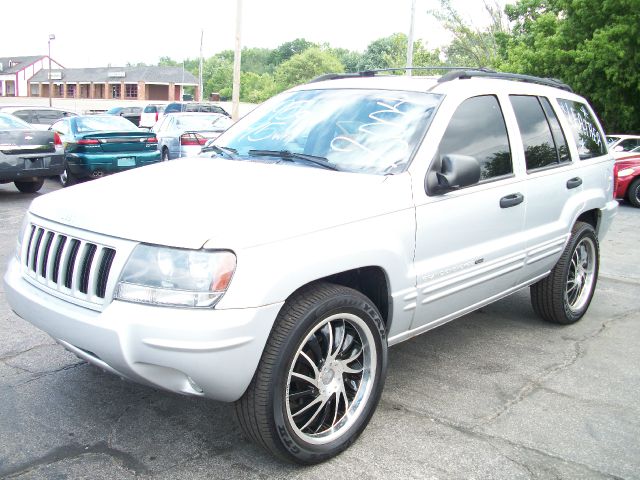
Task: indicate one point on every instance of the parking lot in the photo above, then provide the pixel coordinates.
(495, 394)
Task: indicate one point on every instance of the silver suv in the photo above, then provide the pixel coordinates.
(337, 219)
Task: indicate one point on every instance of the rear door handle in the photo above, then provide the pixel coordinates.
(574, 183)
(511, 200)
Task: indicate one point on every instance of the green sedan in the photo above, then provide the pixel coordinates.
(97, 145)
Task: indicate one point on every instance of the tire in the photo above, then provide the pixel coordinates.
(296, 404)
(29, 187)
(165, 154)
(564, 296)
(67, 178)
(633, 193)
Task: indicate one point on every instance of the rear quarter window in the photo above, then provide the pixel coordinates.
(586, 133)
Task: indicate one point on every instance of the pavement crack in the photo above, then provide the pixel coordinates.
(535, 383)
(38, 376)
(71, 451)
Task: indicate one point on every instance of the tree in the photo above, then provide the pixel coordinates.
(304, 66)
(472, 46)
(593, 45)
(288, 49)
(391, 52)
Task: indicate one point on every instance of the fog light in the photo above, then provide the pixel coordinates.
(194, 385)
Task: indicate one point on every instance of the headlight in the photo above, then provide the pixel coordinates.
(625, 172)
(175, 277)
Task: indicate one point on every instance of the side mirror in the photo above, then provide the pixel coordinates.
(619, 148)
(456, 171)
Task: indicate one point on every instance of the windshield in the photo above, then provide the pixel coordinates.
(203, 122)
(103, 123)
(368, 131)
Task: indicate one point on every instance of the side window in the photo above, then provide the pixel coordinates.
(556, 130)
(586, 133)
(542, 148)
(174, 107)
(477, 129)
(150, 109)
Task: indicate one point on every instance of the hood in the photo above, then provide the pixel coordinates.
(230, 204)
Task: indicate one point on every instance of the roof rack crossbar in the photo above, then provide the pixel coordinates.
(373, 72)
(466, 74)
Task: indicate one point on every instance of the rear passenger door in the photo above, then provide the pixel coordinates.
(553, 183)
(469, 243)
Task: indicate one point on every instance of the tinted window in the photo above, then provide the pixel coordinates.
(556, 130)
(540, 145)
(477, 129)
(586, 134)
(47, 117)
(627, 145)
(150, 109)
(9, 122)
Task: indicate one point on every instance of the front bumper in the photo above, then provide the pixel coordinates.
(211, 353)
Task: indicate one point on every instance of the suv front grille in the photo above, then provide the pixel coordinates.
(68, 265)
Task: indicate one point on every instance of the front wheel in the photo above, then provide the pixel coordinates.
(165, 154)
(564, 296)
(29, 187)
(320, 376)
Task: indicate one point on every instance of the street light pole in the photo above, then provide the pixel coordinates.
(235, 91)
(410, 39)
(51, 37)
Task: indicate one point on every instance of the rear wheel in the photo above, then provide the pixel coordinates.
(67, 178)
(564, 296)
(633, 193)
(29, 187)
(165, 154)
(320, 376)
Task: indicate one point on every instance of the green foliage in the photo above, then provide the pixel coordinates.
(288, 49)
(593, 45)
(304, 66)
(391, 52)
(472, 46)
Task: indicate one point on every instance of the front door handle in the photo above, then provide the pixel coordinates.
(574, 183)
(511, 200)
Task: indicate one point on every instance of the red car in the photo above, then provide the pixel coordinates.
(627, 179)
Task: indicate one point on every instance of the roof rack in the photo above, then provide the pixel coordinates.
(453, 73)
(374, 72)
(485, 73)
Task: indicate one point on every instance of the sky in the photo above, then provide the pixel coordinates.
(97, 34)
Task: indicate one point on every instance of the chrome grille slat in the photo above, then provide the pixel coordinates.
(67, 264)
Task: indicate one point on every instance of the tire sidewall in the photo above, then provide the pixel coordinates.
(584, 231)
(634, 193)
(291, 443)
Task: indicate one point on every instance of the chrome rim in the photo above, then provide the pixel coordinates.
(165, 155)
(63, 177)
(581, 274)
(331, 378)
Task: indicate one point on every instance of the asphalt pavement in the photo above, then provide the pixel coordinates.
(495, 394)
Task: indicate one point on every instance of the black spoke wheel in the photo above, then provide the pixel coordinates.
(320, 376)
(564, 296)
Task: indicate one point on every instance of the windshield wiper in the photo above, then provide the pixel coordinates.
(230, 152)
(288, 155)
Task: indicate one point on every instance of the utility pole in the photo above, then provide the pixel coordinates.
(410, 39)
(51, 37)
(235, 95)
(200, 92)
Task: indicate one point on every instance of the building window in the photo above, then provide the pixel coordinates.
(57, 90)
(84, 91)
(71, 90)
(131, 90)
(35, 89)
(115, 91)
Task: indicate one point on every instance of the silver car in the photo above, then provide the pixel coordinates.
(184, 134)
